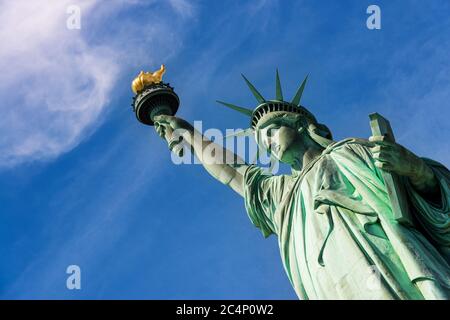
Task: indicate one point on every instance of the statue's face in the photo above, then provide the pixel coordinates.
(280, 139)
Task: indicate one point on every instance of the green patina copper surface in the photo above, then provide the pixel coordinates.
(335, 227)
(356, 219)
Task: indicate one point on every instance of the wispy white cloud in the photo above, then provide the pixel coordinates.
(54, 85)
(183, 7)
(102, 209)
(57, 87)
(55, 82)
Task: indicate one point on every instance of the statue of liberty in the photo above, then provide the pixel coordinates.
(332, 215)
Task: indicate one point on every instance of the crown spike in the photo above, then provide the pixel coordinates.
(245, 111)
(255, 92)
(279, 93)
(298, 95)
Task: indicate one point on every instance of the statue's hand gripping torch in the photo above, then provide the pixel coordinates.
(166, 132)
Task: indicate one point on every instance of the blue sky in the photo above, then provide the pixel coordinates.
(82, 182)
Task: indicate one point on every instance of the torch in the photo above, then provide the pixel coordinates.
(154, 97)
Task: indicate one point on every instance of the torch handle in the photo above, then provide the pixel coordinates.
(175, 145)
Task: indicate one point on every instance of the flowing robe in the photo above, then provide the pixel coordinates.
(337, 235)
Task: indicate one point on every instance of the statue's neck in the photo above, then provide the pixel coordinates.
(309, 150)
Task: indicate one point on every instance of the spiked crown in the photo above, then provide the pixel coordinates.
(268, 106)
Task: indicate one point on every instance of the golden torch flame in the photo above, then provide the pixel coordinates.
(146, 78)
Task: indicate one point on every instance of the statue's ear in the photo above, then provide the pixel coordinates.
(300, 123)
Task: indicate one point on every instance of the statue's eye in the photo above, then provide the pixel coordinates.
(271, 130)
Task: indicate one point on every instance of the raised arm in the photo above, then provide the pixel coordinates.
(222, 164)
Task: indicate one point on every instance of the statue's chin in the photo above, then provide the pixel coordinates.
(286, 157)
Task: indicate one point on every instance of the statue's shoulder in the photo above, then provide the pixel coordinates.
(353, 149)
(437, 166)
(254, 171)
(349, 144)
